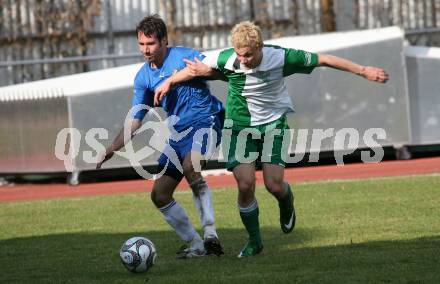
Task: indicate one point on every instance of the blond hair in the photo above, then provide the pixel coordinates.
(246, 34)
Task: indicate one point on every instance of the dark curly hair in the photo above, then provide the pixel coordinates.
(152, 25)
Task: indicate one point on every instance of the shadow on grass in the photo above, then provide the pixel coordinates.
(94, 258)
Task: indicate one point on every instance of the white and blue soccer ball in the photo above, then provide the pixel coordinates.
(138, 254)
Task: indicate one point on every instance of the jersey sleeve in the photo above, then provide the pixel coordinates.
(299, 61)
(197, 54)
(141, 96)
(211, 59)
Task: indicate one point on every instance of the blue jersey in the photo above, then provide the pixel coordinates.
(190, 101)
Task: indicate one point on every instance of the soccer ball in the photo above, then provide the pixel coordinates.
(138, 254)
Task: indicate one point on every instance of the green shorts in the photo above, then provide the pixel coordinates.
(261, 143)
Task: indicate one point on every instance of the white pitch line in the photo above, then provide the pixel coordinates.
(368, 179)
(219, 172)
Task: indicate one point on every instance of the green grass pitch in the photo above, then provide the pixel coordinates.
(383, 230)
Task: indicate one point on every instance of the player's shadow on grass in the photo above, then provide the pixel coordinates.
(94, 257)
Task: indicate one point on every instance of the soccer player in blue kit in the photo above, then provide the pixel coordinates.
(195, 108)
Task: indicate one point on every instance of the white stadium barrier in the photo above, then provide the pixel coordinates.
(423, 65)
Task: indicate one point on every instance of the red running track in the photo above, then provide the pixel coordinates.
(23, 192)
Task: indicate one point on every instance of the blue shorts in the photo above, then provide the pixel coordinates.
(204, 138)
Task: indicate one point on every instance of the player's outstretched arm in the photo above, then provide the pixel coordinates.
(179, 77)
(119, 142)
(193, 69)
(199, 69)
(368, 72)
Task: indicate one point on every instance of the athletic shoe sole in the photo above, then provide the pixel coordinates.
(213, 247)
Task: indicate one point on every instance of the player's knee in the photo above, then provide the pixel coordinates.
(160, 199)
(246, 185)
(274, 185)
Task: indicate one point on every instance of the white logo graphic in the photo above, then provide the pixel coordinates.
(158, 139)
(294, 142)
(289, 225)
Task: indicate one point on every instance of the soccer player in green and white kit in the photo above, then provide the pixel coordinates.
(257, 103)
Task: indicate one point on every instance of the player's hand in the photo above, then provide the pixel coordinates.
(105, 157)
(374, 74)
(198, 68)
(161, 92)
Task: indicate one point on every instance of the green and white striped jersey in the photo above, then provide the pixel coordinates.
(258, 96)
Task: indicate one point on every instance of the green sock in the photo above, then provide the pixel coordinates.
(252, 225)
